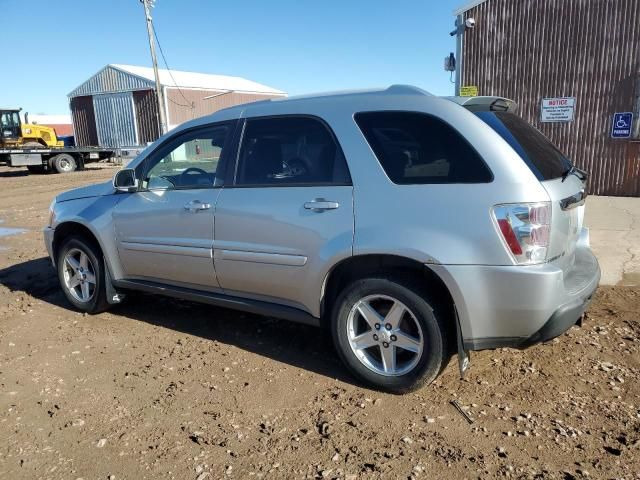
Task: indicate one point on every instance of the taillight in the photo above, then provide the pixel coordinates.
(525, 230)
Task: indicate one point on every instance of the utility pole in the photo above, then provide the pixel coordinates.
(458, 33)
(154, 60)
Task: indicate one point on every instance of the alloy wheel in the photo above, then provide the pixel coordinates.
(385, 335)
(79, 275)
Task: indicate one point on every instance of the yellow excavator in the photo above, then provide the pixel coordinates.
(37, 147)
(14, 133)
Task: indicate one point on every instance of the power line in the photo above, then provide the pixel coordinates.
(189, 104)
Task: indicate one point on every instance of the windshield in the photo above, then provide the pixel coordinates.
(9, 119)
(543, 157)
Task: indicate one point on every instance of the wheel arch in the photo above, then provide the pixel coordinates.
(366, 265)
(72, 228)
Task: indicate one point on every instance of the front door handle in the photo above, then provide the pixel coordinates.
(320, 205)
(196, 206)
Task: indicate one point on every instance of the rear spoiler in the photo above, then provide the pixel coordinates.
(485, 103)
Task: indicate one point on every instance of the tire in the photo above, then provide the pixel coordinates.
(78, 257)
(420, 329)
(64, 163)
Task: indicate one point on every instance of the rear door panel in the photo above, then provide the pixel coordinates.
(268, 246)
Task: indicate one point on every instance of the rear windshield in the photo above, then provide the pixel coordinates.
(543, 157)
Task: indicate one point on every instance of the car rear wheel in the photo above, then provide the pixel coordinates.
(81, 274)
(389, 335)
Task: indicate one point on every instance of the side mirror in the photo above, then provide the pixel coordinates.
(125, 180)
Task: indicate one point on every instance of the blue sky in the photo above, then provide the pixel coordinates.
(295, 45)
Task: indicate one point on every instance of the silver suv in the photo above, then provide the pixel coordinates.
(409, 225)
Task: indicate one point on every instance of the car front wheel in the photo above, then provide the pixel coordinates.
(81, 275)
(388, 334)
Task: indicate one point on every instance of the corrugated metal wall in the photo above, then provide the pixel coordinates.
(193, 105)
(146, 105)
(84, 121)
(111, 80)
(528, 50)
(115, 119)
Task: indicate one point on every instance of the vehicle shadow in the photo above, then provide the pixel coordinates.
(298, 345)
(14, 173)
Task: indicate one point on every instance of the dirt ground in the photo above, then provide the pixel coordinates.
(159, 388)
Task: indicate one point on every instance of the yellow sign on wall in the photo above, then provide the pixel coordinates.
(469, 91)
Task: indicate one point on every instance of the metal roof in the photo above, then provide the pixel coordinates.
(119, 78)
(46, 119)
(467, 6)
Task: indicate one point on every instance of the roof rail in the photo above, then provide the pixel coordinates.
(400, 89)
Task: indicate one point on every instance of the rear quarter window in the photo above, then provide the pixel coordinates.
(416, 148)
(542, 157)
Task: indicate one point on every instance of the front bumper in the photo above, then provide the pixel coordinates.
(504, 306)
(48, 242)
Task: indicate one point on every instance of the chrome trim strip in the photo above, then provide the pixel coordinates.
(260, 257)
(167, 249)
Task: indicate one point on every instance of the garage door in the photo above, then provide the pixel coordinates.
(115, 120)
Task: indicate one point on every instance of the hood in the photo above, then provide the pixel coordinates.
(97, 190)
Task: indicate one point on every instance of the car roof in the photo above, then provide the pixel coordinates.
(340, 94)
(472, 103)
(369, 99)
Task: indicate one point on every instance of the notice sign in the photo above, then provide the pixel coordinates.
(621, 127)
(557, 109)
(469, 91)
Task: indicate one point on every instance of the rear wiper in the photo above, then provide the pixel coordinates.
(573, 170)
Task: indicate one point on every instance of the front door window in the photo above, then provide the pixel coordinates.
(189, 162)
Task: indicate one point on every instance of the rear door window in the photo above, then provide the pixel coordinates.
(538, 152)
(416, 148)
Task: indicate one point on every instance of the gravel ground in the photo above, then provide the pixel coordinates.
(159, 388)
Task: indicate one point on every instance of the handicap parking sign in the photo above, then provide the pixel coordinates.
(621, 127)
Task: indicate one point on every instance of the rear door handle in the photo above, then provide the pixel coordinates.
(320, 205)
(196, 206)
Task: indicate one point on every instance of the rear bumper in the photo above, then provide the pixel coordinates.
(520, 306)
(562, 320)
